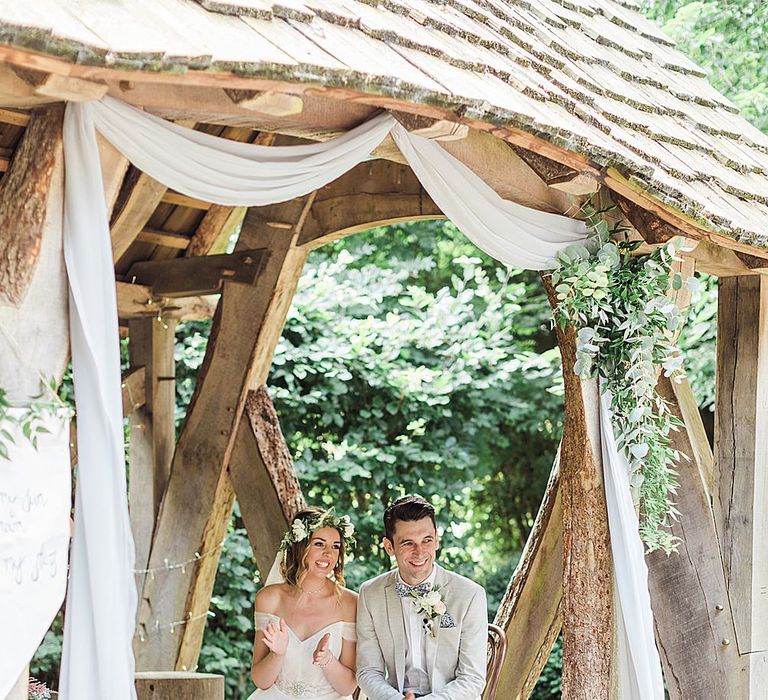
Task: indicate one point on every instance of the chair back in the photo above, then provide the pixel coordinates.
(497, 652)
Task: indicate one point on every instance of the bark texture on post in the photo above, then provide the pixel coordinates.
(265, 482)
(24, 195)
(530, 611)
(587, 574)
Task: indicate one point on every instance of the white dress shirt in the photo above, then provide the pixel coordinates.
(417, 640)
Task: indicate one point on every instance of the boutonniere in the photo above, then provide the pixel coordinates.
(430, 606)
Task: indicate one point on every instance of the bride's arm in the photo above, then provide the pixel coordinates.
(269, 647)
(340, 673)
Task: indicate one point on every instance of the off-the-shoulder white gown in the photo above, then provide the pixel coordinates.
(299, 677)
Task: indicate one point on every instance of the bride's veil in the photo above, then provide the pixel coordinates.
(275, 575)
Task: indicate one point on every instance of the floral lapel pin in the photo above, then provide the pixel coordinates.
(430, 606)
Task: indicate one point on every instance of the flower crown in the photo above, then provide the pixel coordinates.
(302, 527)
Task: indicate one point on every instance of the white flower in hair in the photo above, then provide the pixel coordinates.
(299, 530)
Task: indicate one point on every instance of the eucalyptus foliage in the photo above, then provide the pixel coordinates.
(31, 419)
(625, 320)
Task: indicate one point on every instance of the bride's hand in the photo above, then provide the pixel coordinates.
(322, 655)
(276, 637)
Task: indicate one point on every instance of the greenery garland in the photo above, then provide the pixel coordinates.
(31, 420)
(624, 321)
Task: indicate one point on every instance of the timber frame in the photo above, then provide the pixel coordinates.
(172, 265)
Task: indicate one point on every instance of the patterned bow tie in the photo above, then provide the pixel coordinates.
(403, 589)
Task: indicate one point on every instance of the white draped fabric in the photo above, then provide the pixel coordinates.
(639, 666)
(97, 659)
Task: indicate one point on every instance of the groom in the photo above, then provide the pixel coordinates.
(422, 631)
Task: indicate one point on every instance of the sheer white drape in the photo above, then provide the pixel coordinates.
(639, 666)
(97, 660)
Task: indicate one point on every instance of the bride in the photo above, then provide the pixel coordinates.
(305, 623)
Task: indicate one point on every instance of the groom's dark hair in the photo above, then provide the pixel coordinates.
(407, 508)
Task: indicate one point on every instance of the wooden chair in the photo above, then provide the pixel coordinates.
(497, 652)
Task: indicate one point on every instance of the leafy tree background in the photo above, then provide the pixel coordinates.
(412, 362)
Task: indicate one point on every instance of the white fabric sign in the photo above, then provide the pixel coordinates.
(97, 658)
(34, 542)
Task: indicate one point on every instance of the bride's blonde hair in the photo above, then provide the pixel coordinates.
(294, 564)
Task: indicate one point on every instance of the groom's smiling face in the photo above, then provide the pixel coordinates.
(414, 545)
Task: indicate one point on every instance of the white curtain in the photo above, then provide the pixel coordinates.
(97, 659)
(639, 666)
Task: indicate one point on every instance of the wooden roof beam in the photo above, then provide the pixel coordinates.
(182, 277)
(139, 301)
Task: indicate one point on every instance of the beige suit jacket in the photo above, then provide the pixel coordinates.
(457, 662)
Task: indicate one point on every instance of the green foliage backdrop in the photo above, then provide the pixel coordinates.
(412, 362)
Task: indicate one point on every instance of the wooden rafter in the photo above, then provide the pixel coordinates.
(375, 193)
(181, 277)
(139, 301)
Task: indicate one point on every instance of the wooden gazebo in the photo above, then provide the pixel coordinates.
(549, 101)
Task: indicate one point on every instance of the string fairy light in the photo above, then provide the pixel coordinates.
(167, 566)
(157, 627)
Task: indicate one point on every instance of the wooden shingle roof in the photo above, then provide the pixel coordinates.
(590, 76)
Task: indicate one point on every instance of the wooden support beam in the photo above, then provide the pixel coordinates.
(530, 611)
(198, 501)
(152, 428)
(180, 277)
(134, 389)
(741, 453)
(138, 198)
(374, 193)
(139, 301)
(12, 116)
(23, 202)
(559, 176)
(182, 200)
(264, 479)
(164, 238)
(428, 128)
(587, 572)
(270, 102)
(694, 623)
(61, 87)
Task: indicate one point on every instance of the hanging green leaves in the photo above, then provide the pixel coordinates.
(624, 322)
(31, 420)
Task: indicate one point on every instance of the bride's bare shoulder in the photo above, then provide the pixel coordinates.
(348, 605)
(269, 598)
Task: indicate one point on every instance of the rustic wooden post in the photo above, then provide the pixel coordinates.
(693, 619)
(152, 428)
(265, 482)
(199, 498)
(741, 462)
(587, 576)
(530, 611)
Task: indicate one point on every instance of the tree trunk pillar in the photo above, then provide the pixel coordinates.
(587, 572)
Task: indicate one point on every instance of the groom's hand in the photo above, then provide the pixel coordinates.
(322, 655)
(409, 696)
